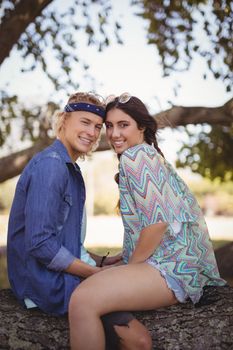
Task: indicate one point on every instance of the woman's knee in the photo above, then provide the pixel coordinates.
(78, 303)
(144, 342)
(84, 301)
(134, 336)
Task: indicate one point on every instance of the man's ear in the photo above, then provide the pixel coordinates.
(64, 118)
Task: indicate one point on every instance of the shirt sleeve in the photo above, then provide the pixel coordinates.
(154, 192)
(45, 209)
(62, 260)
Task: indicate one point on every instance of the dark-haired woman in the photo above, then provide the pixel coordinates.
(167, 251)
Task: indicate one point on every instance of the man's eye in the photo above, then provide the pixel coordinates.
(99, 127)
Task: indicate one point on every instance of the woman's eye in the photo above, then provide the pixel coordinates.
(123, 125)
(108, 126)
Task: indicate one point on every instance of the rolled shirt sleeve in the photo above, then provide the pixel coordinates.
(62, 260)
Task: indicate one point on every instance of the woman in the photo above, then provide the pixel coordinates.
(167, 250)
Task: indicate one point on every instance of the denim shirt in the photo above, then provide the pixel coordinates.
(44, 231)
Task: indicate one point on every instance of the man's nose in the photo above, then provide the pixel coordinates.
(91, 130)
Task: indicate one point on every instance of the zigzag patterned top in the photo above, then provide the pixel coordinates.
(151, 192)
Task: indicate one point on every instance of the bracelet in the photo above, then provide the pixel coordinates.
(103, 258)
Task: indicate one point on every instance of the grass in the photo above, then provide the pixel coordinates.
(219, 243)
(4, 283)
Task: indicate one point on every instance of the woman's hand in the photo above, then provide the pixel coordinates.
(112, 260)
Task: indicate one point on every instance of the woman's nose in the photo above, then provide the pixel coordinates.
(115, 132)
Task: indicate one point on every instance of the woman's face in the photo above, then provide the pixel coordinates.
(122, 131)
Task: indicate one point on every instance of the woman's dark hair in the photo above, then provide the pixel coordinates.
(136, 109)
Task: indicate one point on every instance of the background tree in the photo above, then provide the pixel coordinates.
(173, 28)
(36, 28)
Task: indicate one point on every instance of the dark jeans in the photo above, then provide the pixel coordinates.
(119, 318)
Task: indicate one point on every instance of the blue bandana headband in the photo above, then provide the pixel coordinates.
(87, 107)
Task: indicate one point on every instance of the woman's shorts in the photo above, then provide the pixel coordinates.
(172, 283)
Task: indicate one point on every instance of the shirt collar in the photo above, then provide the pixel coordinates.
(61, 149)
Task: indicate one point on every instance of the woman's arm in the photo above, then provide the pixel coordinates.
(149, 240)
(142, 180)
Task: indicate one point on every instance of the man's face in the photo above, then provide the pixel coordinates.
(80, 132)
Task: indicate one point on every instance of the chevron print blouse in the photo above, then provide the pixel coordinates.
(151, 192)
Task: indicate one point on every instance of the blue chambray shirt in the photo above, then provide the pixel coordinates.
(44, 231)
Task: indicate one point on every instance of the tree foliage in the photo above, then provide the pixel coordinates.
(51, 32)
(212, 147)
(174, 27)
(180, 30)
(41, 32)
(34, 124)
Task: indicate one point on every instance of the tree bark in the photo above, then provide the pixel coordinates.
(16, 23)
(181, 327)
(13, 164)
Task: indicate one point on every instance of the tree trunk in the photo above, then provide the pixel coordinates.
(181, 327)
(16, 23)
(224, 258)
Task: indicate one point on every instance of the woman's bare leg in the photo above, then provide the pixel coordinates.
(130, 287)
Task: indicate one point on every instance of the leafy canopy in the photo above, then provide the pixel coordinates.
(180, 30)
(209, 153)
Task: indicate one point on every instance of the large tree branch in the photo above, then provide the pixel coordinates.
(16, 22)
(13, 164)
(206, 326)
(182, 116)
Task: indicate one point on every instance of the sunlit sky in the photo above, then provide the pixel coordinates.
(133, 67)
